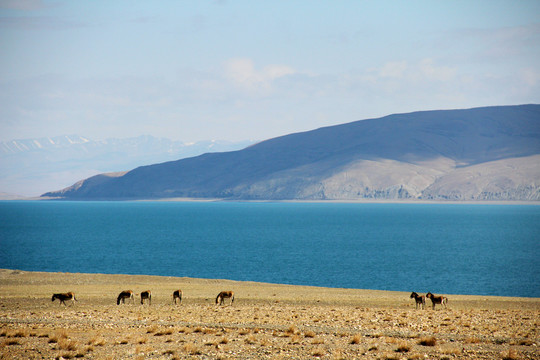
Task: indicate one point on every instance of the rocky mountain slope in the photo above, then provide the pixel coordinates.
(490, 153)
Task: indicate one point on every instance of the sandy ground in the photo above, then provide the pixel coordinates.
(266, 321)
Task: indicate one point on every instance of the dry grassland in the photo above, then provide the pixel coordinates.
(266, 321)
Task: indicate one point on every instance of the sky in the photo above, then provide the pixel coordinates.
(238, 70)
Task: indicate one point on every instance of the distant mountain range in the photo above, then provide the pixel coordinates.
(33, 166)
(490, 153)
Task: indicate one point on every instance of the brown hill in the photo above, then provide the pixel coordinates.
(490, 153)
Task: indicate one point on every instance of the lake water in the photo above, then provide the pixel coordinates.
(442, 248)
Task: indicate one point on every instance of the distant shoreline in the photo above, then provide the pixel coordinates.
(161, 279)
(357, 201)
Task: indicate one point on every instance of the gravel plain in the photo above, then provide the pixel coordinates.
(266, 321)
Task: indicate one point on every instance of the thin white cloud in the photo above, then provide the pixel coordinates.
(437, 73)
(393, 69)
(242, 72)
(530, 77)
(425, 70)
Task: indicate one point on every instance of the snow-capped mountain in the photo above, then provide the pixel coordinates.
(25, 145)
(31, 166)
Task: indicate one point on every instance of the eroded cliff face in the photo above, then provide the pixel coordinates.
(507, 179)
(477, 154)
(516, 179)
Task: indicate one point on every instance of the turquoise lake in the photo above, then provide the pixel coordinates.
(442, 248)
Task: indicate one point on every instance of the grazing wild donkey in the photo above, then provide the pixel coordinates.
(63, 297)
(177, 294)
(146, 295)
(126, 294)
(225, 295)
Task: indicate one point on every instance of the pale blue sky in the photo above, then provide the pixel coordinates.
(234, 70)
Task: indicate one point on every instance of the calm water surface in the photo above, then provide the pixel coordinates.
(442, 248)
